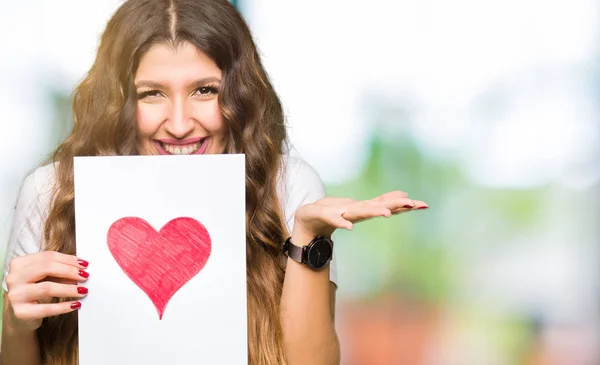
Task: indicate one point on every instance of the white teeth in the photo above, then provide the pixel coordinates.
(181, 150)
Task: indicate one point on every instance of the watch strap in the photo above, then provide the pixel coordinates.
(294, 252)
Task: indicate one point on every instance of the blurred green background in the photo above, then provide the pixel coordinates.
(488, 111)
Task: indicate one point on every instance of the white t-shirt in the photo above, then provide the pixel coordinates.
(299, 184)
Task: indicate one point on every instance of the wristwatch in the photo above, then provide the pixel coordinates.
(315, 255)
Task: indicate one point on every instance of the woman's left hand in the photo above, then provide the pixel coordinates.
(324, 216)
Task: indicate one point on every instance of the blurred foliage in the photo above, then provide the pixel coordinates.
(421, 256)
(406, 253)
(419, 253)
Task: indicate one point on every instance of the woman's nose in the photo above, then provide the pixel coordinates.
(179, 124)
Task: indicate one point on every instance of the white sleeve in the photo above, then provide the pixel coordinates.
(303, 186)
(26, 233)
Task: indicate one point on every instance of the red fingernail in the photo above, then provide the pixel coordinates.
(83, 263)
(75, 305)
(408, 206)
(423, 207)
(82, 290)
(84, 274)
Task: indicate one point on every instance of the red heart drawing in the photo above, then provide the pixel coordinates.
(159, 263)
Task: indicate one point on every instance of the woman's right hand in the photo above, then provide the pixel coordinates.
(33, 280)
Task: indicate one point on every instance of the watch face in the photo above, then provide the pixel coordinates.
(319, 253)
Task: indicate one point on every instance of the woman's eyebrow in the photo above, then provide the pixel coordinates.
(203, 81)
(194, 84)
(149, 84)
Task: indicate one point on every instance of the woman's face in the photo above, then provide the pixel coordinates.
(177, 106)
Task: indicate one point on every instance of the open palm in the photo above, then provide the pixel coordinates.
(324, 216)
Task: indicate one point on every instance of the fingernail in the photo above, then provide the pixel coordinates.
(408, 206)
(75, 305)
(83, 263)
(425, 207)
(82, 290)
(84, 274)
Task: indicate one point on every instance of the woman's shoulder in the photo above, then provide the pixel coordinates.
(41, 180)
(299, 173)
(36, 190)
(30, 212)
(45, 174)
(299, 184)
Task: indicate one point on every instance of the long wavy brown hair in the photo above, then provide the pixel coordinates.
(104, 107)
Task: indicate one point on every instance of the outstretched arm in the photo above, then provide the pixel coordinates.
(308, 298)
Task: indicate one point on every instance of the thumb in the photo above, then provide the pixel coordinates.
(341, 222)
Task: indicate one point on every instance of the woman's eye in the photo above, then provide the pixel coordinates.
(207, 90)
(148, 93)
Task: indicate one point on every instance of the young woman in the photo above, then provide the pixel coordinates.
(184, 77)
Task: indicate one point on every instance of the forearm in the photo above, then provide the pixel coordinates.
(306, 314)
(19, 348)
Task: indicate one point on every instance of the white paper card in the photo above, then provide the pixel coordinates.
(147, 224)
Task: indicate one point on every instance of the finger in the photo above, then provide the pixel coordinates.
(60, 280)
(394, 204)
(40, 270)
(33, 311)
(359, 213)
(18, 266)
(57, 257)
(418, 206)
(45, 291)
(338, 221)
(421, 205)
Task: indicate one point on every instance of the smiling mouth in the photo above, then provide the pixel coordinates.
(197, 148)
